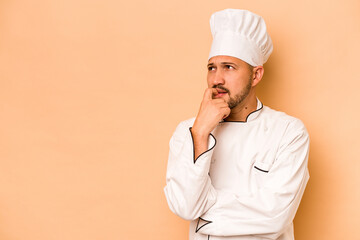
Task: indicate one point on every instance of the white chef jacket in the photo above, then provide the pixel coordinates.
(247, 185)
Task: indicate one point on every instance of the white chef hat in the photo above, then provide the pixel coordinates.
(241, 34)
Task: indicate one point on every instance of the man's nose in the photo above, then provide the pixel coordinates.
(219, 78)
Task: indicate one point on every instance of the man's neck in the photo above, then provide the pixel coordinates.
(242, 111)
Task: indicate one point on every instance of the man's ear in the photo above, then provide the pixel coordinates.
(258, 73)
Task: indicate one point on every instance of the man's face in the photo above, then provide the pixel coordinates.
(231, 77)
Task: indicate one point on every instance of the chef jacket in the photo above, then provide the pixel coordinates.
(249, 182)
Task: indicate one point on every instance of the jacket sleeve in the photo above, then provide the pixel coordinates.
(269, 210)
(188, 189)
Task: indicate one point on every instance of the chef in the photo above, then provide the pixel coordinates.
(239, 169)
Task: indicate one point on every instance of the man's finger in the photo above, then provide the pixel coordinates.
(219, 100)
(214, 92)
(226, 113)
(209, 93)
(221, 105)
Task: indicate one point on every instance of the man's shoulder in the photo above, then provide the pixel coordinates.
(185, 125)
(281, 117)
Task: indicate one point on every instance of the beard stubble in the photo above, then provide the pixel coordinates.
(239, 98)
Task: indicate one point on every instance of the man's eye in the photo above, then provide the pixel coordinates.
(229, 67)
(211, 68)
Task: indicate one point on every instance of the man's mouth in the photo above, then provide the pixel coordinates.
(221, 91)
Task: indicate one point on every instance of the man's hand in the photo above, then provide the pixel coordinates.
(211, 112)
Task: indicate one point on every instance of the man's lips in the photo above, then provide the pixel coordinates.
(220, 93)
(220, 90)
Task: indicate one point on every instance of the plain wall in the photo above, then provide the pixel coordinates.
(91, 92)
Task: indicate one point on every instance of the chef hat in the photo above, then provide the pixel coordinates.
(241, 34)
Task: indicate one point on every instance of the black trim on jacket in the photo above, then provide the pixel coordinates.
(197, 225)
(194, 146)
(248, 115)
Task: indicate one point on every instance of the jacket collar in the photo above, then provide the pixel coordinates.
(253, 115)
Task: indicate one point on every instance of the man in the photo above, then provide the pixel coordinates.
(239, 169)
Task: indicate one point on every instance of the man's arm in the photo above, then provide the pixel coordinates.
(188, 189)
(211, 112)
(188, 186)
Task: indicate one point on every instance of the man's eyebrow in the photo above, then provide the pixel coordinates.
(228, 63)
(223, 63)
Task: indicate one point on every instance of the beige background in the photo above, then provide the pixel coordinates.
(91, 91)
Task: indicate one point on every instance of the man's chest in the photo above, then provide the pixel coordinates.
(243, 155)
